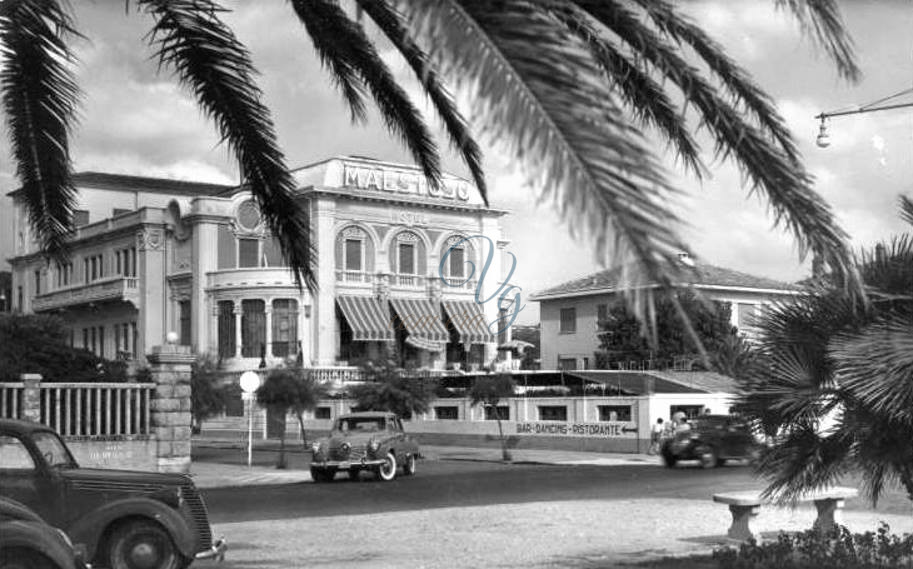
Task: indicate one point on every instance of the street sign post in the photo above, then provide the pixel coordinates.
(250, 381)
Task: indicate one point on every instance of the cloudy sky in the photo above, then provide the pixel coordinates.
(136, 121)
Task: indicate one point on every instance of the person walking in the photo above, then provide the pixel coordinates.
(656, 436)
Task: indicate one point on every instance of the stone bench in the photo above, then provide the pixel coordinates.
(745, 507)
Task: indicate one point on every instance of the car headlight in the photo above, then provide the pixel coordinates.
(315, 447)
(373, 445)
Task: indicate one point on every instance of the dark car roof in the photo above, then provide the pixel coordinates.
(22, 427)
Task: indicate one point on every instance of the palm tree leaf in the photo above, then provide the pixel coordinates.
(804, 461)
(822, 19)
(737, 82)
(644, 96)
(786, 184)
(906, 209)
(876, 366)
(549, 109)
(40, 99)
(190, 38)
(392, 25)
(338, 38)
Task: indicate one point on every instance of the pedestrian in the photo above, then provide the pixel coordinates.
(656, 436)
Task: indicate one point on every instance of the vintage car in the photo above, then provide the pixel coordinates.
(712, 440)
(373, 441)
(28, 542)
(123, 519)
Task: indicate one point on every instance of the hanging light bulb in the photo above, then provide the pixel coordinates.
(824, 139)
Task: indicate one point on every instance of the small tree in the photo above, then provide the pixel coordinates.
(490, 390)
(208, 397)
(390, 389)
(290, 389)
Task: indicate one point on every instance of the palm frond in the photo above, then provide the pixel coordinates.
(341, 40)
(392, 25)
(206, 56)
(804, 461)
(645, 98)
(549, 108)
(736, 81)
(40, 99)
(822, 19)
(786, 184)
(906, 209)
(876, 366)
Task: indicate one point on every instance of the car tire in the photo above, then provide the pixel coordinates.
(409, 465)
(668, 458)
(708, 458)
(354, 474)
(20, 558)
(142, 544)
(321, 475)
(386, 472)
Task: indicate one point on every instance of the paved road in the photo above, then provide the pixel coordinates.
(444, 483)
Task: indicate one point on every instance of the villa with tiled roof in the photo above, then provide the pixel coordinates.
(569, 312)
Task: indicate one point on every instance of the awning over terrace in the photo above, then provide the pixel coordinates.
(469, 320)
(422, 320)
(368, 317)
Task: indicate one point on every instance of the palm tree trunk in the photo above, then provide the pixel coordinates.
(505, 454)
(304, 439)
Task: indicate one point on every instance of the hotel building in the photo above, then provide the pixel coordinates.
(153, 256)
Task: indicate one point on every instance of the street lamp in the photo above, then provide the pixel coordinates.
(824, 140)
(249, 381)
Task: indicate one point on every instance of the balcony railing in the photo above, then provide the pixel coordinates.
(344, 276)
(459, 284)
(408, 280)
(102, 290)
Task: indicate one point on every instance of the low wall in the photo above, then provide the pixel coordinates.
(120, 453)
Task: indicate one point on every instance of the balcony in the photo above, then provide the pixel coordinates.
(110, 289)
(354, 277)
(250, 278)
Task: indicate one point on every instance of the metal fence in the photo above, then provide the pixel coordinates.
(84, 409)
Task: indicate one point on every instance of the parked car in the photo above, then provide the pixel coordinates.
(712, 439)
(28, 542)
(124, 519)
(373, 441)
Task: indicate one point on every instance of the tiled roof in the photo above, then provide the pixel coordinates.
(704, 275)
(146, 184)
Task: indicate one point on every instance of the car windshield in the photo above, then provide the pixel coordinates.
(54, 451)
(360, 424)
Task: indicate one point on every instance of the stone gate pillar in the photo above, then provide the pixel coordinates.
(31, 397)
(170, 368)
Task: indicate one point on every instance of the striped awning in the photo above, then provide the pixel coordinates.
(469, 320)
(368, 317)
(422, 319)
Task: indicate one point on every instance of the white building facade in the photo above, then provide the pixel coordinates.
(155, 256)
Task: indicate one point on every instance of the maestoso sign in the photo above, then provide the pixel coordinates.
(402, 182)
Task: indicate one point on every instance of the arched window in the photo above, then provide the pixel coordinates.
(354, 255)
(455, 267)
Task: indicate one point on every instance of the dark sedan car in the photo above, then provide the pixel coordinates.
(712, 440)
(124, 519)
(27, 542)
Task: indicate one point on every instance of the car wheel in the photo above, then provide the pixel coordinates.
(19, 558)
(708, 457)
(322, 474)
(387, 470)
(409, 466)
(142, 545)
(668, 458)
(354, 474)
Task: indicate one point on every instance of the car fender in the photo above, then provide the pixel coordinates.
(89, 529)
(43, 540)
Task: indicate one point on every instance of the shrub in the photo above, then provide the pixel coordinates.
(839, 549)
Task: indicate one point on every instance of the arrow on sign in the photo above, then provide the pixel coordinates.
(629, 429)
